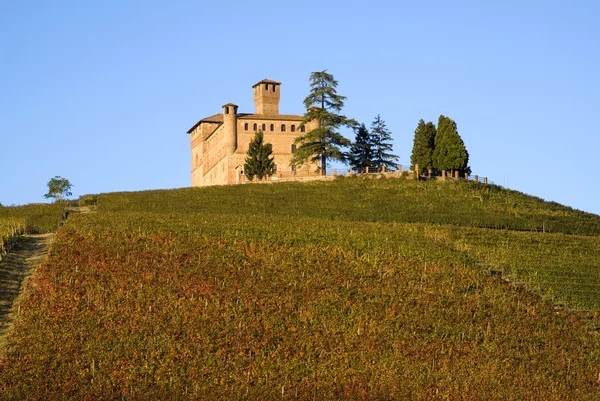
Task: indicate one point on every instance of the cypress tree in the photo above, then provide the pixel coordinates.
(362, 151)
(423, 145)
(450, 152)
(258, 160)
(382, 144)
(323, 143)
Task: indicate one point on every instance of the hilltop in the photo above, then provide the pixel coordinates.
(355, 288)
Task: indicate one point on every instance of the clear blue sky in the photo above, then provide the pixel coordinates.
(102, 93)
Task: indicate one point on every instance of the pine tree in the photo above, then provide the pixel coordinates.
(324, 142)
(382, 144)
(362, 151)
(450, 152)
(258, 160)
(423, 145)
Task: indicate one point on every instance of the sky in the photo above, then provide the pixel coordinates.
(103, 93)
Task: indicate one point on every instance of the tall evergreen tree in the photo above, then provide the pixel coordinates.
(258, 160)
(423, 145)
(362, 151)
(382, 144)
(323, 104)
(450, 152)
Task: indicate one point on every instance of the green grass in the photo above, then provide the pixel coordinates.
(354, 289)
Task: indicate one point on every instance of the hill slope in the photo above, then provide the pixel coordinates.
(373, 289)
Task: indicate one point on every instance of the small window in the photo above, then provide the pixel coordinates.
(302, 129)
(293, 128)
(264, 127)
(293, 148)
(266, 87)
(282, 127)
(293, 168)
(245, 126)
(227, 110)
(272, 127)
(255, 126)
(274, 168)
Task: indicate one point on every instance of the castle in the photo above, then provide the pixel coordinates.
(219, 143)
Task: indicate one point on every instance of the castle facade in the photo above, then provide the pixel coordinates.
(219, 143)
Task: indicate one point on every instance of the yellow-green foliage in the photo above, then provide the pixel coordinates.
(38, 218)
(253, 292)
(18, 220)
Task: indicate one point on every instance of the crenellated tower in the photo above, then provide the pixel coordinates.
(266, 97)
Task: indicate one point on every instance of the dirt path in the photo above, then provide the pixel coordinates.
(29, 252)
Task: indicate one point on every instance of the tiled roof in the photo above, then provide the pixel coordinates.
(270, 117)
(267, 81)
(218, 118)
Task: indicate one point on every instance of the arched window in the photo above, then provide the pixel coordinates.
(272, 127)
(282, 127)
(303, 128)
(264, 127)
(293, 128)
(255, 127)
(245, 126)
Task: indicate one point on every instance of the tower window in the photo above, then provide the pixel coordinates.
(282, 127)
(293, 128)
(272, 127)
(255, 126)
(266, 87)
(245, 126)
(227, 110)
(293, 148)
(264, 127)
(302, 129)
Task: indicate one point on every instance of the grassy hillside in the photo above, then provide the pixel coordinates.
(31, 219)
(359, 289)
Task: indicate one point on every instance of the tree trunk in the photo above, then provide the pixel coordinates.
(323, 157)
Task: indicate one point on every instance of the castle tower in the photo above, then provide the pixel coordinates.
(266, 97)
(230, 128)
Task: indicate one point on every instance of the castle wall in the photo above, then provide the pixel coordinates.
(219, 143)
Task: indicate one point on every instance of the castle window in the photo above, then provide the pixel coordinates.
(272, 127)
(255, 126)
(302, 129)
(227, 110)
(282, 127)
(293, 168)
(293, 148)
(274, 168)
(266, 87)
(245, 126)
(264, 127)
(293, 128)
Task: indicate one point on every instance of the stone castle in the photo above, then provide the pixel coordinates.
(219, 143)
